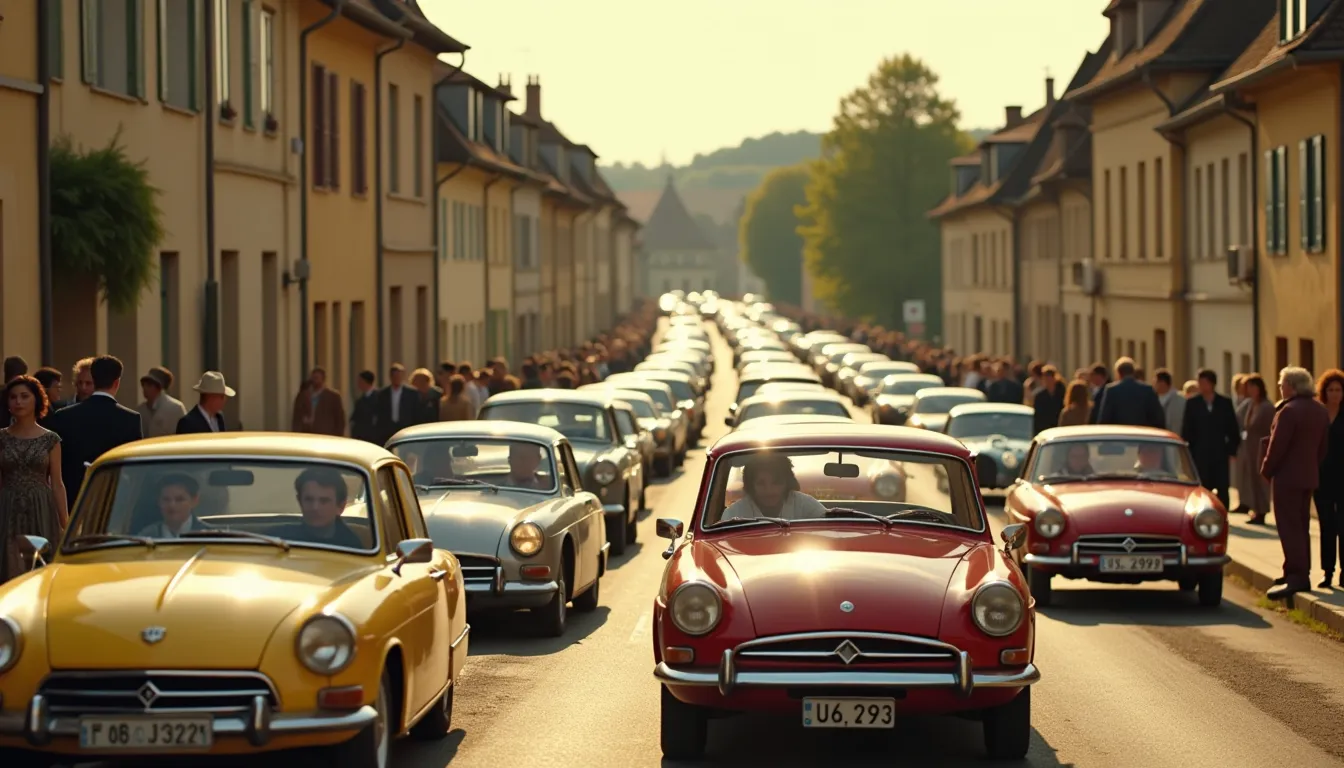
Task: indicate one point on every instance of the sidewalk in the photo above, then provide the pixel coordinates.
(1257, 559)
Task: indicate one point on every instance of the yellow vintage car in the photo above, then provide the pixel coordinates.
(233, 594)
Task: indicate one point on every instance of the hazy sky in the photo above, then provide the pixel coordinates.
(635, 80)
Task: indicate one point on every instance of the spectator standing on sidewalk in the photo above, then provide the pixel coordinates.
(1255, 424)
(1173, 402)
(160, 411)
(1295, 449)
(14, 367)
(1077, 405)
(1214, 435)
(364, 410)
(50, 379)
(1330, 493)
(456, 404)
(1002, 386)
(1129, 401)
(1048, 401)
(319, 409)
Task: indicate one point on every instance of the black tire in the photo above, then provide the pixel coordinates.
(437, 722)
(553, 617)
(1187, 585)
(371, 747)
(1041, 587)
(1007, 729)
(631, 522)
(616, 533)
(589, 600)
(684, 729)
(663, 466)
(1211, 590)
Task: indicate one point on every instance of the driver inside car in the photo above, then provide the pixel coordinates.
(770, 489)
(1151, 461)
(435, 463)
(524, 460)
(322, 495)
(1077, 461)
(179, 496)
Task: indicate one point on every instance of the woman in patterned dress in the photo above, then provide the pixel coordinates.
(32, 496)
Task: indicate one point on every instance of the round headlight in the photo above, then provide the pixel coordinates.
(1009, 459)
(9, 643)
(326, 644)
(1209, 523)
(997, 609)
(604, 472)
(695, 608)
(887, 486)
(526, 539)
(1050, 523)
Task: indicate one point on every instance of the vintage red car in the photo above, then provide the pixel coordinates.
(1119, 505)
(842, 613)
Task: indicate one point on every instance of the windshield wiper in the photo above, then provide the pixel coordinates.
(227, 532)
(845, 511)
(460, 482)
(926, 513)
(1064, 478)
(100, 538)
(781, 522)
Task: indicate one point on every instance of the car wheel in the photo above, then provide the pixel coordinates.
(663, 467)
(1008, 728)
(1187, 585)
(1211, 590)
(631, 522)
(588, 601)
(684, 728)
(371, 747)
(438, 721)
(553, 617)
(616, 533)
(1041, 589)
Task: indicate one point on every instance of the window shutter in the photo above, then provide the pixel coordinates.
(88, 41)
(1318, 216)
(249, 63)
(1282, 227)
(1271, 194)
(319, 138)
(160, 40)
(1304, 192)
(194, 52)
(135, 46)
(333, 128)
(56, 39)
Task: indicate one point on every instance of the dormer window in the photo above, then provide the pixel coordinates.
(477, 132)
(470, 125)
(1292, 19)
(1150, 15)
(507, 133)
(1124, 28)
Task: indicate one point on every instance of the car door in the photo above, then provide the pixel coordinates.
(633, 456)
(450, 617)
(591, 534)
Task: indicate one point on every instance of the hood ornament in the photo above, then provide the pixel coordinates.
(1129, 513)
(152, 635)
(847, 607)
(1129, 545)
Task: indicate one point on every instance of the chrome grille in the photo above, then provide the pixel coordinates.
(1094, 545)
(478, 569)
(845, 649)
(164, 692)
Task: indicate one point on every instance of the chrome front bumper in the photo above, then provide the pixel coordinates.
(259, 725)
(1181, 559)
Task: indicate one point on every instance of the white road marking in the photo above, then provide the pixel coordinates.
(642, 628)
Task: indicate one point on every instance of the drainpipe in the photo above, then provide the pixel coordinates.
(302, 267)
(574, 277)
(378, 197)
(438, 185)
(513, 268)
(1255, 223)
(44, 181)
(485, 246)
(211, 346)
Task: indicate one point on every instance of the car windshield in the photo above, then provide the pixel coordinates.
(908, 386)
(884, 487)
(577, 421)
(793, 407)
(643, 409)
(660, 396)
(942, 403)
(750, 388)
(275, 503)
(1063, 461)
(1014, 426)
(467, 462)
(680, 389)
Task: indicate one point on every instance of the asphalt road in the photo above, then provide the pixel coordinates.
(1133, 677)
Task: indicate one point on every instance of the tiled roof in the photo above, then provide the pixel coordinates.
(980, 192)
(672, 228)
(1324, 39)
(423, 31)
(367, 15)
(457, 76)
(455, 147)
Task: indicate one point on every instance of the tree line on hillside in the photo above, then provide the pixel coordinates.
(740, 167)
(856, 216)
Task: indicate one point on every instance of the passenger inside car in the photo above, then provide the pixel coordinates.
(321, 494)
(770, 489)
(179, 496)
(1152, 461)
(524, 460)
(1078, 461)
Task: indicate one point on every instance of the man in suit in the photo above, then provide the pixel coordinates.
(1210, 427)
(208, 415)
(398, 405)
(1173, 401)
(160, 411)
(1293, 453)
(318, 409)
(14, 366)
(364, 411)
(95, 426)
(1097, 379)
(1002, 387)
(1048, 401)
(423, 383)
(1129, 401)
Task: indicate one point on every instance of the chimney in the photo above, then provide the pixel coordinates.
(533, 108)
(1049, 91)
(506, 84)
(1012, 117)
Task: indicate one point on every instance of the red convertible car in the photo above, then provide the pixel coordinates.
(1119, 505)
(842, 613)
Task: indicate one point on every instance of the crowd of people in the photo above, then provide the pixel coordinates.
(50, 440)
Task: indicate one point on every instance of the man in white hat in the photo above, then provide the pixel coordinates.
(208, 415)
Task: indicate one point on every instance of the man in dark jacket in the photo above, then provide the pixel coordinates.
(1129, 401)
(1210, 427)
(1002, 386)
(364, 411)
(95, 426)
(1048, 401)
(1293, 453)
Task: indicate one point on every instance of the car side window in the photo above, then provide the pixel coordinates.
(626, 421)
(390, 514)
(562, 466)
(411, 505)
(1023, 471)
(572, 469)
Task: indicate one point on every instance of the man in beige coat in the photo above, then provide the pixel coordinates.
(160, 411)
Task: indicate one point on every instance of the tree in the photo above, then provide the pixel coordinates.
(768, 239)
(868, 243)
(105, 221)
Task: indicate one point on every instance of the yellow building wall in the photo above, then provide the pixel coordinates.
(462, 278)
(1299, 307)
(1077, 310)
(979, 253)
(1039, 253)
(20, 300)
(547, 251)
(501, 267)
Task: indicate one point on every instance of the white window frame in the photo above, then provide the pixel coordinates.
(223, 81)
(266, 86)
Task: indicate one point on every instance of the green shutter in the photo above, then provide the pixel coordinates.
(135, 47)
(1304, 193)
(193, 54)
(1319, 215)
(88, 41)
(249, 66)
(160, 41)
(1271, 194)
(56, 39)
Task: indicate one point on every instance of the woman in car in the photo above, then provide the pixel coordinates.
(770, 489)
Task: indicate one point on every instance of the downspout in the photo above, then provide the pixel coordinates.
(434, 228)
(301, 268)
(1255, 224)
(574, 278)
(379, 280)
(485, 257)
(513, 268)
(44, 181)
(554, 240)
(1015, 260)
(211, 345)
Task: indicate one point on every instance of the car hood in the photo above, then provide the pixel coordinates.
(219, 605)
(931, 421)
(995, 444)
(795, 580)
(1100, 507)
(466, 521)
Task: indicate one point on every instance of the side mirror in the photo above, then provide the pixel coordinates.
(1013, 536)
(41, 548)
(671, 530)
(413, 552)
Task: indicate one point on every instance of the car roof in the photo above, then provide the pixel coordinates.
(664, 375)
(945, 391)
(480, 428)
(903, 365)
(912, 376)
(547, 395)
(805, 395)
(794, 418)
(263, 445)
(847, 435)
(632, 383)
(789, 374)
(1097, 431)
(1013, 408)
(629, 394)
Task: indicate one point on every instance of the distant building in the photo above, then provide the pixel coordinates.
(677, 253)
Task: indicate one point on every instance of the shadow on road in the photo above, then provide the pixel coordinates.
(514, 634)
(1261, 534)
(1161, 606)
(412, 752)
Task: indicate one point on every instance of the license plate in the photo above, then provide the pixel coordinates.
(849, 713)
(1131, 564)
(147, 734)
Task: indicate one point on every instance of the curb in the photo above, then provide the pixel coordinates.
(1308, 603)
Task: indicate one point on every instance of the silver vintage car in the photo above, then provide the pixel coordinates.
(505, 499)
(608, 467)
